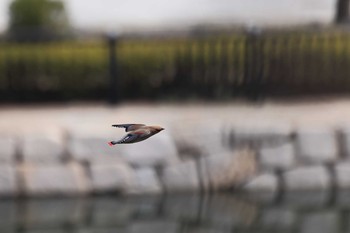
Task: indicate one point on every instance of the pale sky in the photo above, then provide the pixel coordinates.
(118, 15)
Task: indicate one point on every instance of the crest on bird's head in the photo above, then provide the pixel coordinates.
(157, 128)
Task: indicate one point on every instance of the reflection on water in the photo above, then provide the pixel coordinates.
(305, 213)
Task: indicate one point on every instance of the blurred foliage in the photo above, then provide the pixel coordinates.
(33, 20)
(211, 67)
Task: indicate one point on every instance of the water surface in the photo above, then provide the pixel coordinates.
(310, 212)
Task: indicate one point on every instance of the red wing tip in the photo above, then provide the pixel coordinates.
(110, 144)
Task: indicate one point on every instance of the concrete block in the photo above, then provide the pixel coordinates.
(7, 150)
(54, 180)
(342, 176)
(42, 150)
(261, 135)
(181, 177)
(110, 178)
(144, 181)
(8, 181)
(263, 183)
(93, 150)
(307, 178)
(159, 150)
(317, 146)
(229, 169)
(279, 157)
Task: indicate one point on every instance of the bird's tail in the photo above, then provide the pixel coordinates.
(112, 143)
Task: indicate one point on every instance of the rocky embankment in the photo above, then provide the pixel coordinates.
(269, 160)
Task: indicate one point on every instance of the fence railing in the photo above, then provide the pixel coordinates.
(214, 67)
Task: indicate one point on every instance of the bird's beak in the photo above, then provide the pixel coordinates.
(161, 129)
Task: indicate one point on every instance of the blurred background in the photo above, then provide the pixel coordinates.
(73, 50)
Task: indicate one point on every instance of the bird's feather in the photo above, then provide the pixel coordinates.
(129, 138)
(129, 127)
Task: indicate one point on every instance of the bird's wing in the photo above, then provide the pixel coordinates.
(129, 138)
(129, 127)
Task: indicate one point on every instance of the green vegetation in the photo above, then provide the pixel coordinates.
(37, 20)
(153, 68)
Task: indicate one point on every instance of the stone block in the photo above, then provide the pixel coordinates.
(8, 181)
(211, 137)
(317, 146)
(93, 150)
(144, 181)
(7, 150)
(263, 183)
(53, 180)
(42, 149)
(110, 177)
(226, 170)
(307, 178)
(261, 135)
(158, 150)
(345, 133)
(342, 176)
(181, 177)
(279, 157)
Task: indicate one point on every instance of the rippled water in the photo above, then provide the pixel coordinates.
(311, 212)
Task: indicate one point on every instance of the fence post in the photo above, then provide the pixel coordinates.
(114, 95)
(253, 64)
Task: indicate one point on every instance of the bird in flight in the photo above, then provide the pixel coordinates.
(136, 133)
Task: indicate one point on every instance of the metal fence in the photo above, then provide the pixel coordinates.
(217, 66)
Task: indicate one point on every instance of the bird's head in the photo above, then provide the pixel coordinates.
(157, 128)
